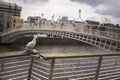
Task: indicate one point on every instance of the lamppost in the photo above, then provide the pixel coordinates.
(42, 15)
(38, 21)
(53, 16)
(80, 15)
(84, 22)
(42, 18)
(39, 17)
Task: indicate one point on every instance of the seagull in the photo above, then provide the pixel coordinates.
(32, 43)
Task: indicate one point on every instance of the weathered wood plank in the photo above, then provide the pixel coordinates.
(75, 55)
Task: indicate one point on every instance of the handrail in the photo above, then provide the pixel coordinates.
(62, 66)
(76, 55)
(67, 26)
(17, 53)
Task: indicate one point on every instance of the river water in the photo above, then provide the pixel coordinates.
(54, 47)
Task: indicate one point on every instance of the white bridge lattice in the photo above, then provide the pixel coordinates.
(106, 39)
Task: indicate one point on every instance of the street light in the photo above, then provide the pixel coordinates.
(80, 16)
(42, 15)
(79, 13)
(42, 18)
(39, 19)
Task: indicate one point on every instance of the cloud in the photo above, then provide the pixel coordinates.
(110, 8)
(25, 2)
(34, 1)
(1, 0)
(90, 8)
(101, 19)
(103, 7)
(92, 3)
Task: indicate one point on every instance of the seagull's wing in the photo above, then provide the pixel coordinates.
(30, 44)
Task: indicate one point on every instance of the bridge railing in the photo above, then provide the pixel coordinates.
(111, 35)
(108, 32)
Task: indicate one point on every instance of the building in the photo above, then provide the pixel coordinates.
(9, 16)
(30, 19)
(16, 21)
(34, 20)
(11, 8)
(92, 22)
(64, 19)
(5, 21)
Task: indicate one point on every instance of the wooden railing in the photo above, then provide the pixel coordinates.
(54, 66)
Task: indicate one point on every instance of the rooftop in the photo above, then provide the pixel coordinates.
(7, 4)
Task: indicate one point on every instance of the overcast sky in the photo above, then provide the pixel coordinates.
(98, 10)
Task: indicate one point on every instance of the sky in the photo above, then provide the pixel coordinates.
(96, 10)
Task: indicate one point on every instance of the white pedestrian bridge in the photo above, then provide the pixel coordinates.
(100, 36)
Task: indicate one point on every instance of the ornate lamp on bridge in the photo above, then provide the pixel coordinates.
(80, 15)
(42, 15)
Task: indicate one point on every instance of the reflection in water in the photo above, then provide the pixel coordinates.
(54, 48)
(50, 45)
(68, 49)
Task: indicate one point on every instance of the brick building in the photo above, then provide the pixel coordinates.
(9, 16)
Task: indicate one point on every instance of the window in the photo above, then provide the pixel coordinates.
(1, 25)
(1, 15)
(14, 21)
(13, 25)
(43, 22)
(8, 25)
(1, 28)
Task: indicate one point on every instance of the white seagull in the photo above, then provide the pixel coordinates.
(32, 43)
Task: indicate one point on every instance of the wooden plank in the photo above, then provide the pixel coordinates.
(76, 55)
(58, 55)
(17, 53)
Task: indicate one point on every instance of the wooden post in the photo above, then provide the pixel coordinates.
(2, 68)
(98, 67)
(30, 69)
(51, 68)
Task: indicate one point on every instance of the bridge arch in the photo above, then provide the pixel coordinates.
(97, 41)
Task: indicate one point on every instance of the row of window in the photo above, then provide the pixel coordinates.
(15, 9)
(1, 15)
(1, 25)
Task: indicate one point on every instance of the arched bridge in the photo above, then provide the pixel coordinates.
(106, 38)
